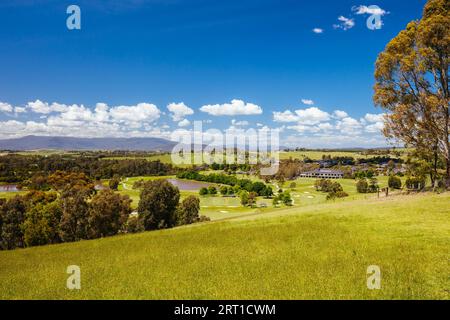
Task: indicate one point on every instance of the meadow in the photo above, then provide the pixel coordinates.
(310, 252)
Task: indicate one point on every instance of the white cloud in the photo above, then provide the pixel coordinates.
(141, 112)
(20, 110)
(369, 117)
(345, 23)
(308, 102)
(239, 123)
(179, 111)
(340, 114)
(5, 107)
(312, 116)
(372, 10)
(375, 127)
(236, 107)
(317, 30)
(348, 125)
(44, 107)
(286, 116)
(184, 123)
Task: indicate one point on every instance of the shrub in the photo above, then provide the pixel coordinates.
(203, 191)
(212, 190)
(415, 183)
(187, 211)
(394, 182)
(362, 186)
(224, 190)
(134, 225)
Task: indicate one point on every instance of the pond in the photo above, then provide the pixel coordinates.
(9, 188)
(188, 185)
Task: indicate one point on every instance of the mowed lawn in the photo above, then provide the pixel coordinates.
(311, 252)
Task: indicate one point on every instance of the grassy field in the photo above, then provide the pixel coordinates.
(318, 252)
(218, 207)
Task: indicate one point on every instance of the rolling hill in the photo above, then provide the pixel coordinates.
(74, 143)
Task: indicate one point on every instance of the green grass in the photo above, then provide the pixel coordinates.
(318, 252)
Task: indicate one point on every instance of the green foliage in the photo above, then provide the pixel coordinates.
(187, 211)
(362, 186)
(415, 183)
(212, 190)
(394, 182)
(134, 225)
(203, 191)
(108, 212)
(244, 197)
(157, 204)
(237, 184)
(114, 183)
(13, 216)
(224, 190)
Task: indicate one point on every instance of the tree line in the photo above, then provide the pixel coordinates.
(16, 168)
(75, 211)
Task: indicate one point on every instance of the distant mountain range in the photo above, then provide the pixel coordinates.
(73, 143)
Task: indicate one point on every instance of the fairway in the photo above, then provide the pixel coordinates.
(311, 252)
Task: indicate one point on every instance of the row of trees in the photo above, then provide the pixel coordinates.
(75, 211)
(31, 170)
(258, 187)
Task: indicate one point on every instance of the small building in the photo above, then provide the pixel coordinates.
(323, 174)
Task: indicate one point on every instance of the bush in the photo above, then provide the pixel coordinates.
(293, 185)
(335, 195)
(212, 190)
(394, 182)
(187, 211)
(362, 186)
(224, 190)
(134, 225)
(203, 191)
(415, 183)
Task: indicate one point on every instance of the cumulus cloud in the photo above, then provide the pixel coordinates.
(20, 110)
(236, 107)
(344, 23)
(184, 123)
(369, 117)
(318, 30)
(340, 114)
(308, 102)
(179, 111)
(39, 106)
(141, 112)
(312, 116)
(286, 116)
(5, 107)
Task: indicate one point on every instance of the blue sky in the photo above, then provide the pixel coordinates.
(217, 61)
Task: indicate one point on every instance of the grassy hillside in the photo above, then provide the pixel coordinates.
(319, 251)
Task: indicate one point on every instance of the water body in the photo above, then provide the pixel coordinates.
(188, 185)
(9, 188)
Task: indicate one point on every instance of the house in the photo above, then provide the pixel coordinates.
(323, 174)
